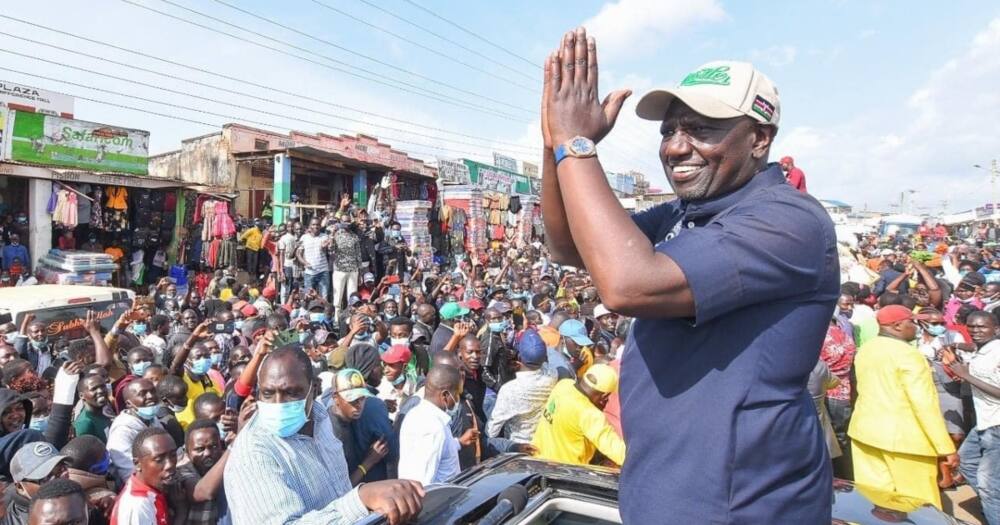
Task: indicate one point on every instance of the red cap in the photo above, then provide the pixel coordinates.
(396, 354)
(787, 159)
(895, 313)
(269, 292)
(248, 310)
(474, 304)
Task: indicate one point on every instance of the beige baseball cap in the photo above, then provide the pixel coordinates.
(720, 89)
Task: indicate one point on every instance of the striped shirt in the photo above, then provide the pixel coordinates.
(313, 253)
(520, 404)
(300, 479)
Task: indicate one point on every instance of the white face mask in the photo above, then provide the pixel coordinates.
(405, 341)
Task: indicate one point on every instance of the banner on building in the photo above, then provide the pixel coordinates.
(29, 99)
(452, 172)
(536, 185)
(55, 141)
(529, 169)
(505, 162)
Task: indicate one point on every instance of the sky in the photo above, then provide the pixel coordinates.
(886, 105)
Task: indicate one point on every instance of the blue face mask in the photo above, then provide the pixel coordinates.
(238, 324)
(283, 419)
(140, 367)
(937, 329)
(363, 336)
(303, 336)
(101, 468)
(455, 410)
(498, 327)
(216, 359)
(399, 380)
(139, 328)
(201, 366)
(147, 413)
(317, 317)
(39, 423)
(39, 345)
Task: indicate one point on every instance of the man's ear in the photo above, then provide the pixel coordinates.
(763, 138)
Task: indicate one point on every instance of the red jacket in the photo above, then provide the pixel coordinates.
(797, 179)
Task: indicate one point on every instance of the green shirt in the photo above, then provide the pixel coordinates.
(94, 423)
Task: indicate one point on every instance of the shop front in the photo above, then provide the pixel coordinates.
(130, 218)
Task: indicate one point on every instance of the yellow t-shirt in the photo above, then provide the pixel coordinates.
(253, 238)
(195, 389)
(572, 429)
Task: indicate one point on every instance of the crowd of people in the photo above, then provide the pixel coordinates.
(908, 383)
(319, 387)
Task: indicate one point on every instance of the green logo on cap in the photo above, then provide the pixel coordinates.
(718, 76)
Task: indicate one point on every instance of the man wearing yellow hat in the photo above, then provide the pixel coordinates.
(573, 426)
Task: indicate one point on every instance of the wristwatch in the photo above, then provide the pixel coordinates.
(578, 147)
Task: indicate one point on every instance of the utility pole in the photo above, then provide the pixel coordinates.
(994, 173)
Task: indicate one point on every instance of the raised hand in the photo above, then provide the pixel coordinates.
(572, 106)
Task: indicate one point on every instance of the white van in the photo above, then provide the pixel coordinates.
(63, 307)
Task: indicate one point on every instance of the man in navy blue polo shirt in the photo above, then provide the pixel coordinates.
(733, 286)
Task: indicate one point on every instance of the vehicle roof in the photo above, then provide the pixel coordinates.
(23, 298)
(852, 504)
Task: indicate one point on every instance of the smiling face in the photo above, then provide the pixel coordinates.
(94, 392)
(704, 157)
(13, 418)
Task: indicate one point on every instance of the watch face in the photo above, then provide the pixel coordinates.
(581, 146)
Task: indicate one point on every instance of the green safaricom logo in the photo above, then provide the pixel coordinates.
(718, 76)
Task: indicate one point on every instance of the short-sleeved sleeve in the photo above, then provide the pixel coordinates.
(759, 252)
(654, 221)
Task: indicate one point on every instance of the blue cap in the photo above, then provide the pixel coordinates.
(576, 331)
(531, 349)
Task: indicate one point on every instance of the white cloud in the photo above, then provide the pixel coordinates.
(639, 27)
(928, 142)
(776, 56)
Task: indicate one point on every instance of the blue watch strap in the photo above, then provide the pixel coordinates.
(560, 153)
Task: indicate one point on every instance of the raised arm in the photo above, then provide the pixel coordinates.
(200, 332)
(632, 278)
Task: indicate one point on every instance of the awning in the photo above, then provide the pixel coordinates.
(18, 169)
(318, 159)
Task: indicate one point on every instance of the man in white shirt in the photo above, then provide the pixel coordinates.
(979, 455)
(287, 246)
(428, 453)
(312, 254)
(520, 402)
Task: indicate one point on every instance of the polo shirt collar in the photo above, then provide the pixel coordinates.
(771, 175)
(140, 488)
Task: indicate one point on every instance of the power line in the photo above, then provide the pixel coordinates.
(473, 34)
(417, 90)
(342, 48)
(182, 93)
(446, 39)
(186, 119)
(222, 76)
(215, 101)
(421, 46)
